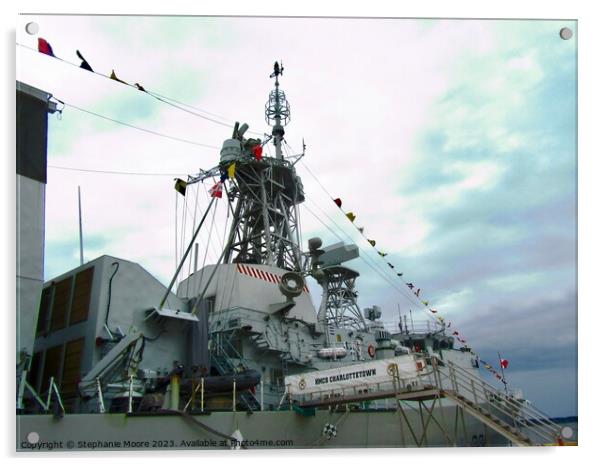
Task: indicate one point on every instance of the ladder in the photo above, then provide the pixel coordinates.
(520, 422)
(225, 366)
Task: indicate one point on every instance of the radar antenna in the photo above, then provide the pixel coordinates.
(264, 191)
(277, 110)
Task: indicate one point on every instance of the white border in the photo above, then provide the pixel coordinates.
(589, 225)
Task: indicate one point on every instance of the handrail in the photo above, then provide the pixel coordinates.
(487, 399)
(419, 327)
(532, 410)
(538, 423)
(223, 346)
(459, 379)
(222, 358)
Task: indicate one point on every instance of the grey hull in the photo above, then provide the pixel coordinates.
(284, 429)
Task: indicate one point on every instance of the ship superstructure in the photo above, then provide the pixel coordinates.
(110, 338)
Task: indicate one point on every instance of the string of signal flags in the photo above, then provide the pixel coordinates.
(216, 190)
(45, 48)
(256, 150)
(229, 173)
(427, 306)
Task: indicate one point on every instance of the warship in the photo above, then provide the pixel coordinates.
(236, 354)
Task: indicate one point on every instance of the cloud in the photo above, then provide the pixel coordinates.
(452, 141)
(538, 336)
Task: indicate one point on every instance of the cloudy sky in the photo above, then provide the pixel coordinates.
(453, 142)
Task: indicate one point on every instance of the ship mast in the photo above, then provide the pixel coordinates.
(277, 111)
(265, 192)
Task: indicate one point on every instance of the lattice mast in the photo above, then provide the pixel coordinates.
(265, 192)
(339, 308)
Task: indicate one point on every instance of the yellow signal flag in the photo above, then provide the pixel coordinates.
(232, 170)
(181, 186)
(350, 216)
(115, 78)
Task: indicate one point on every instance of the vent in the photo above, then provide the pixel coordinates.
(52, 366)
(382, 335)
(81, 296)
(62, 293)
(44, 311)
(72, 367)
(234, 323)
(34, 371)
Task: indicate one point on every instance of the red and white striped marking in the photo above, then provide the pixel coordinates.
(262, 275)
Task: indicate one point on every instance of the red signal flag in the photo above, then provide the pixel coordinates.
(504, 363)
(258, 152)
(338, 202)
(216, 190)
(44, 47)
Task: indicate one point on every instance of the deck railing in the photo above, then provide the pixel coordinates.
(521, 415)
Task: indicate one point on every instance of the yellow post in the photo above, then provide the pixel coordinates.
(175, 392)
(203, 394)
(234, 395)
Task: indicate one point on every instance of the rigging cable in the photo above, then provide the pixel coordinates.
(366, 258)
(176, 230)
(367, 263)
(183, 232)
(416, 300)
(212, 227)
(169, 101)
(149, 131)
(381, 270)
(196, 209)
(162, 98)
(113, 172)
(206, 250)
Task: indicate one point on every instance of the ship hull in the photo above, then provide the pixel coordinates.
(447, 427)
